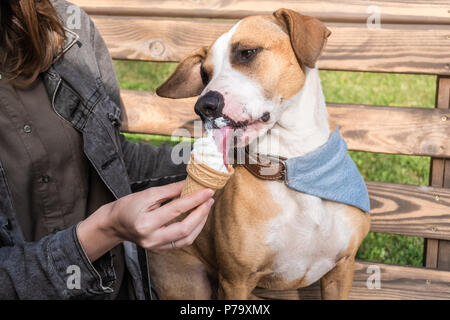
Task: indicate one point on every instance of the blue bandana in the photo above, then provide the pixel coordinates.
(329, 173)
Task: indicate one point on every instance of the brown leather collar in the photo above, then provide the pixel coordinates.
(265, 167)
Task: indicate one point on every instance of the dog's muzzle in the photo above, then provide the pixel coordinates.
(210, 105)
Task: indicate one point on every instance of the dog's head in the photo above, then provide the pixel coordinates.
(247, 74)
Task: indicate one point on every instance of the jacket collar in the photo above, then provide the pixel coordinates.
(70, 39)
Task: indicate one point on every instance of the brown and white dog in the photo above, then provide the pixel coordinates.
(261, 78)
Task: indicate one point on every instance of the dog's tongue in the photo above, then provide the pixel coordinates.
(223, 137)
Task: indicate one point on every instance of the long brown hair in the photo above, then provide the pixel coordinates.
(30, 37)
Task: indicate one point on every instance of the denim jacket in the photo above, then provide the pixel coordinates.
(83, 90)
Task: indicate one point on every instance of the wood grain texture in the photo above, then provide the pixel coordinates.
(431, 250)
(444, 255)
(443, 93)
(412, 131)
(431, 246)
(442, 173)
(393, 48)
(397, 282)
(145, 112)
(410, 210)
(421, 11)
(436, 174)
(447, 174)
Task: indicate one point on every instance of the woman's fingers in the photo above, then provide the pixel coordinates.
(160, 194)
(173, 209)
(187, 229)
(186, 241)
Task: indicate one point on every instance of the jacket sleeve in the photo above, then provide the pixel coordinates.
(147, 165)
(56, 267)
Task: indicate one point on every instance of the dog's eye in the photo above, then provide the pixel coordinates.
(204, 75)
(248, 54)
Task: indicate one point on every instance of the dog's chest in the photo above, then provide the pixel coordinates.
(308, 236)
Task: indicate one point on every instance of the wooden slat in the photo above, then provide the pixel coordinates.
(412, 131)
(424, 11)
(431, 246)
(443, 102)
(145, 112)
(443, 93)
(447, 174)
(444, 255)
(431, 250)
(397, 282)
(438, 251)
(410, 210)
(394, 48)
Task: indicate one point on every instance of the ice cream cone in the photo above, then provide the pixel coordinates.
(200, 176)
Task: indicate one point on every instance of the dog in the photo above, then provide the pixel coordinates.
(261, 78)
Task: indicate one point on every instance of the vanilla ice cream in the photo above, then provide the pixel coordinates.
(205, 151)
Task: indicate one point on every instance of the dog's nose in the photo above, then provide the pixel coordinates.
(210, 105)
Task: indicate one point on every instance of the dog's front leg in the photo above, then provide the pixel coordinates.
(337, 283)
(179, 275)
(238, 288)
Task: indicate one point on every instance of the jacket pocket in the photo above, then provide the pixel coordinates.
(6, 239)
(68, 104)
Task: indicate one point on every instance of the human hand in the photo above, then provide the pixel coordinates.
(141, 219)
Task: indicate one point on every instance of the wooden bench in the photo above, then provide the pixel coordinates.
(414, 38)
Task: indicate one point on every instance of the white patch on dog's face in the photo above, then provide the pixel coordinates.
(244, 100)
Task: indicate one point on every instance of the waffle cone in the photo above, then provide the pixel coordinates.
(200, 176)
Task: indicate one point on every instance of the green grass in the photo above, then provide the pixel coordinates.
(154, 139)
(392, 249)
(344, 87)
(384, 89)
(139, 75)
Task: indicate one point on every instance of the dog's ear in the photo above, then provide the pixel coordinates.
(308, 35)
(186, 81)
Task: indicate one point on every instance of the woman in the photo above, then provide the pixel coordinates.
(63, 160)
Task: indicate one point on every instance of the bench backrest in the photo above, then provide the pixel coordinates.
(414, 38)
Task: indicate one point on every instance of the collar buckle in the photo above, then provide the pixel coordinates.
(283, 171)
